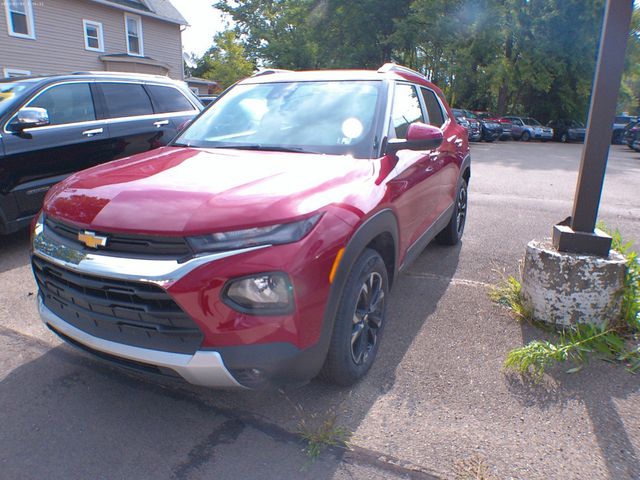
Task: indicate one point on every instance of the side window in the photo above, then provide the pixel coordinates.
(406, 109)
(69, 103)
(126, 99)
(436, 118)
(169, 99)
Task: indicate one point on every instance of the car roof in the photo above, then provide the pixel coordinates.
(120, 76)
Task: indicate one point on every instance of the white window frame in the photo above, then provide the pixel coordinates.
(8, 72)
(30, 23)
(138, 20)
(90, 23)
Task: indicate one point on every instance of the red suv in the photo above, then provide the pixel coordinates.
(259, 246)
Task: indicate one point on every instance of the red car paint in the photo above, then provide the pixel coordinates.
(191, 191)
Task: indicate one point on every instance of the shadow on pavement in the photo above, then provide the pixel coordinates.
(14, 250)
(66, 415)
(599, 386)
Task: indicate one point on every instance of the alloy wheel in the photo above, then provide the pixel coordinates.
(367, 318)
(461, 210)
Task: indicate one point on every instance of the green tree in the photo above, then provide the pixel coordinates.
(225, 62)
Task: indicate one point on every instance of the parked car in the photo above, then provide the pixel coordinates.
(260, 246)
(469, 121)
(206, 100)
(54, 126)
(504, 123)
(619, 124)
(527, 128)
(629, 133)
(567, 130)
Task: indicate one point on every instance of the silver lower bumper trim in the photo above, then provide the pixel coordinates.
(204, 368)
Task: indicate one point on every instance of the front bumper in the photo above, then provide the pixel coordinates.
(542, 135)
(204, 368)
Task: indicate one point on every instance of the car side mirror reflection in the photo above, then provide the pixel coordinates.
(29, 117)
(420, 136)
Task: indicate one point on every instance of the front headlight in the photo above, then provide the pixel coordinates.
(263, 293)
(251, 237)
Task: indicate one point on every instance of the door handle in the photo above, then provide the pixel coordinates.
(91, 133)
(160, 123)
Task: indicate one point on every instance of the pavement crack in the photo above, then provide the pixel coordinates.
(201, 453)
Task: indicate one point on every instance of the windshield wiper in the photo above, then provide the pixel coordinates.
(267, 148)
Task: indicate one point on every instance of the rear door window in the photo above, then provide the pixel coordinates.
(126, 100)
(66, 103)
(169, 99)
(436, 118)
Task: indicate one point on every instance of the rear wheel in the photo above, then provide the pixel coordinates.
(359, 321)
(452, 233)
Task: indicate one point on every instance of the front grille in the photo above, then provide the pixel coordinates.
(131, 313)
(153, 245)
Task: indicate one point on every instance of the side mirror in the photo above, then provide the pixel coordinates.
(29, 117)
(420, 136)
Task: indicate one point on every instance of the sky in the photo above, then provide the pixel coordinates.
(204, 22)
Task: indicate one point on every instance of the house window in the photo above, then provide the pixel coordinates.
(14, 72)
(93, 39)
(133, 28)
(20, 18)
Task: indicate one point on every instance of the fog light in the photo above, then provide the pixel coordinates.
(269, 293)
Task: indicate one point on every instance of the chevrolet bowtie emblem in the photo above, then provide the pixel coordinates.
(91, 240)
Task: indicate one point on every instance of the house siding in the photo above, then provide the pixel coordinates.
(59, 44)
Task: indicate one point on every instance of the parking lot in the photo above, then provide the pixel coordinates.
(436, 396)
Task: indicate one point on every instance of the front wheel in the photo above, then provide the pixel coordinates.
(359, 321)
(526, 136)
(452, 233)
(564, 138)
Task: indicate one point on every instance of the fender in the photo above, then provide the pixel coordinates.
(382, 222)
(288, 364)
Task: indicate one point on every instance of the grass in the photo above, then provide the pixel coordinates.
(578, 343)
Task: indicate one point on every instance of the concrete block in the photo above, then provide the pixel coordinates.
(567, 288)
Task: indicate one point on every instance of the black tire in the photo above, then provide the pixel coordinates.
(351, 354)
(564, 138)
(526, 136)
(452, 233)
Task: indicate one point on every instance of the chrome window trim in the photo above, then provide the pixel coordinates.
(204, 367)
(195, 110)
(158, 272)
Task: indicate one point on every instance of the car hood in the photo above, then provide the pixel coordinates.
(178, 191)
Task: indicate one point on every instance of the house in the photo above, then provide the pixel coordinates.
(56, 36)
(202, 86)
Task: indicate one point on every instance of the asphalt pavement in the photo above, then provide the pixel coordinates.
(437, 395)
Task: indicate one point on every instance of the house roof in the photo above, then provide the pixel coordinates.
(200, 81)
(160, 9)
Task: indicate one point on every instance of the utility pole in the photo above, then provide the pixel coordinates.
(577, 234)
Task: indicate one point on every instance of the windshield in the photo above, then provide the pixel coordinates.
(10, 93)
(309, 117)
(531, 121)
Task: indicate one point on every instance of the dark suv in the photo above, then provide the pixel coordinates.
(261, 244)
(53, 126)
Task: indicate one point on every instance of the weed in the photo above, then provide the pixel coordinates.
(327, 434)
(473, 468)
(508, 293)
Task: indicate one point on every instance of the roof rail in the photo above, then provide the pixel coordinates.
(394, 67)
(119, 74)
(269, 71)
